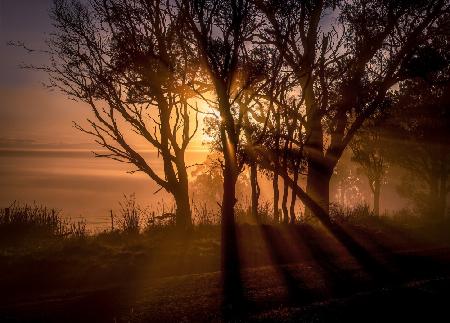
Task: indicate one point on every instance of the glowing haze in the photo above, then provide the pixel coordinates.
(42, 157)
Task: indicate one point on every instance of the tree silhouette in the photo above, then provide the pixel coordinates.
(345, 68)
(220, 33)
(421, 131)
(207, 183)
(127, 61)
(220, 30)
(369, 151)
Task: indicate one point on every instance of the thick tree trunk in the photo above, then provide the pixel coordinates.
(228, 200)
(318, 184)
(309, 203)
(183, 218)
(293, 199)
(230, 266)
(183, 215)
(255, 191)
(276, 198)
(376, 198)
(284, 202)
(230, 256)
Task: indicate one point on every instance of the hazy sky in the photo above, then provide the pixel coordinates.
(32, 117)
(30, 114)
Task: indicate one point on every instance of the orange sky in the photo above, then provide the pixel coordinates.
(30, 115)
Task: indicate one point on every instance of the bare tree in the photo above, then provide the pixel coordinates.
(261, 122)
(368, 147)
(221, 30)
(282, 130)
(344, 67)
(127, 61)
(251, 135)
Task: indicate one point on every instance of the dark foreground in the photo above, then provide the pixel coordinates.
(288, 274)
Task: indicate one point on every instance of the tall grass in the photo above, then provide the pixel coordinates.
(19, 220)
(132, 218)
(130, 215)
(342, 213)
(202, 215)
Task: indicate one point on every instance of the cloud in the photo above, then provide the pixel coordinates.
(24, 144)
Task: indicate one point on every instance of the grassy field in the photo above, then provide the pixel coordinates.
(389, 272)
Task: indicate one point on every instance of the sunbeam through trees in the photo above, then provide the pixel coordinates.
(286, 160)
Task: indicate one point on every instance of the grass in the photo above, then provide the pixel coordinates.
(35, 222)
(175, 274)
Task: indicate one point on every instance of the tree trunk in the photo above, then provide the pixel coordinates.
(284, 202)
(293, 198)
(276, 198)
(318, 184)
(309, 203)
(183, 217)
(376, 198)
(228, 200)
(230, 266)
(230, 256)
(255, 191)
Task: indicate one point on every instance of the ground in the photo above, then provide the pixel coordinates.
(299, 274)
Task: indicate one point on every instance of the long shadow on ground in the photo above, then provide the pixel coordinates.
(285, 272)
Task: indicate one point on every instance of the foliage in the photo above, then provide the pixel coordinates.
(421, 128)
(287, 84)
(346, 183)
(206, 184)
(368, 147)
